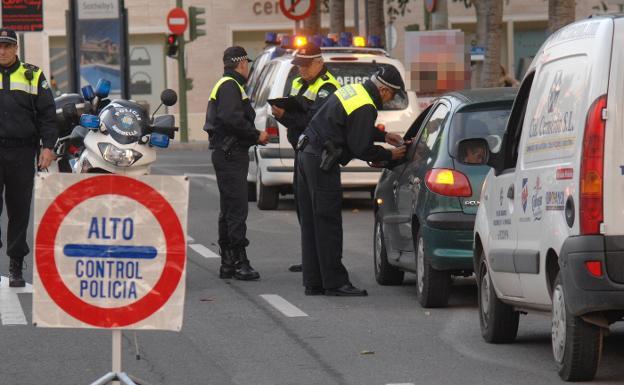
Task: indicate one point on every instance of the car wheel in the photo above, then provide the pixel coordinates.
(576, 344)
(385, 273)
(251, 192)
(267, 196)
(499, 321)
(432, 286)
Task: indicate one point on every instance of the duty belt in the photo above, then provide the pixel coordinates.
(17, 142)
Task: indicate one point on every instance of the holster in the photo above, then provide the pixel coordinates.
(330, 156)
(228, 144)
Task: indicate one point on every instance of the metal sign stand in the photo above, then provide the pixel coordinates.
(117, 377)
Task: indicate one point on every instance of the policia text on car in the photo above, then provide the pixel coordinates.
(230, 126)
(343, 128)
(310, 90)
(28, 117)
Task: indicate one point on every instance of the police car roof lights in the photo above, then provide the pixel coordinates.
(343, 40)
(300, 41)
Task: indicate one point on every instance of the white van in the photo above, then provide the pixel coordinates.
(549, 232)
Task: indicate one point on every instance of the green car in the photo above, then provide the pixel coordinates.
(425, 206)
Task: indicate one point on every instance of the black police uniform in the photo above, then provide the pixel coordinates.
(28, 116)
(230, 124)
(320, 192)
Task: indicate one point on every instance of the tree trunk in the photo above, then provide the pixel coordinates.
(560, 13)
(312, 24)
(336, 16)
(481, 12)
(376, 23)
(439, 17)
(494, 23)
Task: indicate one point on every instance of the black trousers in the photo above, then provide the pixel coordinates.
(319, 197)
(17, 173)
(231, 171)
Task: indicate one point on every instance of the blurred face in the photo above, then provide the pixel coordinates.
(243, 69)
(8, 53)
(310, 71)
(386, 94)
(475, 155)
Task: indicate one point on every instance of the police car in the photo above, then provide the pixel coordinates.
(271, 167)
(549, 234)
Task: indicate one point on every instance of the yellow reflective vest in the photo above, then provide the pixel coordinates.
(314, 88)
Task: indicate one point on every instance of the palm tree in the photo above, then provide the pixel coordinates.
(439, 17)
(376, 22)
(336, 16)
(560, 13)
(493, 33)
(312, 24)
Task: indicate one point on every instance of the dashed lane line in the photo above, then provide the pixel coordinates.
(203, 251)
(285, 307)
(11, 312)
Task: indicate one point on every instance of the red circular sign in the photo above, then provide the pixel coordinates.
(169, 278)
(297, 10)
(177, 21)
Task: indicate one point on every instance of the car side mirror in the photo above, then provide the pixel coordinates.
(474, 151)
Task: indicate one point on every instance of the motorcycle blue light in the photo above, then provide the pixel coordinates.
(159, 140)
(102, 89)
(89, 121)
(88, 93)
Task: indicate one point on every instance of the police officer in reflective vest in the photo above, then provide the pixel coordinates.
(343, 129)
(28, 118)
(311, 89)
(230, 125)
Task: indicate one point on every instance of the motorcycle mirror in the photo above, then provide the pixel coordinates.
(88, 93)
(102, 89)
(169, 97)
(78, 134)
(90, 121)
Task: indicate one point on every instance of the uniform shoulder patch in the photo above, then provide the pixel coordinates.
(45, 85)
(323, 94)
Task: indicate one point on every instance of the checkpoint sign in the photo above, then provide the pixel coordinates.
(297, 9)
(177, 21)
(110, 251)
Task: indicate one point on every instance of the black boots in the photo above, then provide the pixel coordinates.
(234, 264)
(15, 273)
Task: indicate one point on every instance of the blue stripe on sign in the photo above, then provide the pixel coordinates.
(109, 251)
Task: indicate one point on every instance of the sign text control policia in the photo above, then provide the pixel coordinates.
(110, 251)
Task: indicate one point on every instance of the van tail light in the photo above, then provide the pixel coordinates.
(447, 182)
(592, 169)
(594, 268)
(381, 127)
(272, 129)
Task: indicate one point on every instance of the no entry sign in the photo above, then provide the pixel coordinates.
(110, 251)
(177, 21)
(297, 9)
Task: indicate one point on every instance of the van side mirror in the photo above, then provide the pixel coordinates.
(475, 151)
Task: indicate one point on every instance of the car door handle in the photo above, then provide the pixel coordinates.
(510, 192)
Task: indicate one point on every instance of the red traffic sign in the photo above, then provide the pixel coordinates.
(157, 293)
(177, 21)
(297, 9)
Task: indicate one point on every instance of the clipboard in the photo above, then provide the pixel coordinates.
(288, 104)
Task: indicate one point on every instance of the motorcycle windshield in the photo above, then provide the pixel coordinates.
(125, 121)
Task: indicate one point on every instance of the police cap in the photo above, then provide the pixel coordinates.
(8, 35)
(390, 77)
(235, 54)
(306, 54)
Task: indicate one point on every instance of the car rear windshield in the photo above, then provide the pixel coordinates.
(354, 72)
(479, 123)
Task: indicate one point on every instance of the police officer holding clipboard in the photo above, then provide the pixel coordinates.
(230, 126)
(308, 93)
(343, 129)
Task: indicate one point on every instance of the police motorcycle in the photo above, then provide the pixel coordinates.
(98, 135)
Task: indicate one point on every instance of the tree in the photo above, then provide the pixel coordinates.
(493, 33)
(439, 17)
(376, 22)
(560, 13)
(336, 16)
(312, 24)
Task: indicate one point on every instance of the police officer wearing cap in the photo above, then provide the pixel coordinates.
(311, 90)
(230, 126)
(343, 129)
(27, 118)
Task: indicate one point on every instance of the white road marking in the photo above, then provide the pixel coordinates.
(190, 239)
(285, 307)
(11, 312)
(204, 251)
(403, 383)
(208, 176)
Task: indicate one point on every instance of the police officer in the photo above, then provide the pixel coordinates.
(230, 125)
(343, 128)
(28, 117)
(311, 90)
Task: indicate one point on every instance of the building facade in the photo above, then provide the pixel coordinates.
(244, 22)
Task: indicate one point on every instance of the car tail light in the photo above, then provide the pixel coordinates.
(448, 182)
(594, 268)
(592, 166)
